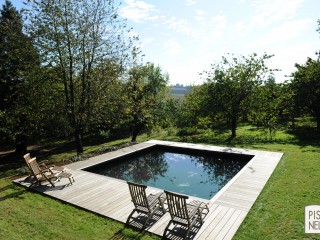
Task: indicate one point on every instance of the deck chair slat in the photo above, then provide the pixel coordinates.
(182, 213)
(143, 203)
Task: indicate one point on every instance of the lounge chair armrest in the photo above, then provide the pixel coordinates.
(198, 204)
(57, 168)
(195, 204)
(50, 167)
(193, 210)
(157, 197)
(46, 168)
(43, 163)
(42, 166)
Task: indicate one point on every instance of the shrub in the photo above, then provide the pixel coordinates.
(189, 131)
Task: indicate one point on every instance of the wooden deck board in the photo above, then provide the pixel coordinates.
(111, 198)
(236, 224)
(221, 226)
(228, 225)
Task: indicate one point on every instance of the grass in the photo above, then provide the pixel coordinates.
(278, 212)
(29, 215)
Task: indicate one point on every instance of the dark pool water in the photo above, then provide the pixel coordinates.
(196, 174)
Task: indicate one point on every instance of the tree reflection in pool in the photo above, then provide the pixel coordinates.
(197, 174)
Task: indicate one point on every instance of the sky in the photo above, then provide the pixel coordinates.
(184, 37)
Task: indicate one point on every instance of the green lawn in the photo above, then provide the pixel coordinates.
(277, 214)
(29, 215)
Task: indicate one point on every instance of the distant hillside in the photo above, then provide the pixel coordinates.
(179, 89)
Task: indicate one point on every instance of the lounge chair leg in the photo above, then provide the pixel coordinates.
(145, 223)
(71, 180)
(162, 204)
(128, 219)
(189, 228)
(166, 229)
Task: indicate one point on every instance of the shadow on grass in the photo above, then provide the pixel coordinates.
(119, 235)
(10, 160)
(306, 136)
(232, 142)
(128, 233)
(17, 192)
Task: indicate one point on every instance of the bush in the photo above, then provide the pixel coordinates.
(171, 131)
(189, 131)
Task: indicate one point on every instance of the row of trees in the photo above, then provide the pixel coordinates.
(243, 89)
(71, 69)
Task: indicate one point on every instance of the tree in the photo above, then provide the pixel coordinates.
(76, 37)
(108, 107)
(144, 88)
(18, 59)
(306, 87)
(265, 105)
(288, 106)
(318, 30)
(232, 82)
(168, 111)
(196, 107)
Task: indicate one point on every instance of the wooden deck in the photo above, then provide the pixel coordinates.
(111, 198)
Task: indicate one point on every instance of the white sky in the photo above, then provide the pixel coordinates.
(184, 37)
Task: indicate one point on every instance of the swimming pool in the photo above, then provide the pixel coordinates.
(192, 172)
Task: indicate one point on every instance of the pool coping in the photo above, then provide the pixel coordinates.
(228, 207)
(106, 157)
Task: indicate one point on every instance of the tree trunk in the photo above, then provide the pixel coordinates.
(21, 145)
(233, 127)
(77, 136)
(318, 123)
(293, 123)
(135, 131)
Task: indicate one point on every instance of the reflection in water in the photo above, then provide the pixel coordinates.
(148, 167)
(193, 174)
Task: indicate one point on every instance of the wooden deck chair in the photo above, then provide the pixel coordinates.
(143, 203)
(41, 176)
(49, 171)
(42, 166)
(183, 213)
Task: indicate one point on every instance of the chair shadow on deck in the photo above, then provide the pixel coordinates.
(178, 232)
(142, 221)
(149, 208)
(30, 182)
(186, 218)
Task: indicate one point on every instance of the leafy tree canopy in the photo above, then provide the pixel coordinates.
(18, 61)
(144, 87)
(306, 86)
(17, 54)
(77, 37)
(231, 83)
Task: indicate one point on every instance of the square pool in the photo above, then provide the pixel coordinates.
(197, 173)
